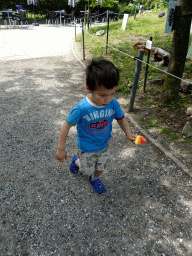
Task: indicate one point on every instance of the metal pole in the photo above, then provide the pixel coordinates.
(83, 42)
(136, 79)
(34, 14)
(135, 13)
(88, 16)
(107, 31)
(146, 71)
(75, 32)
(85, 16)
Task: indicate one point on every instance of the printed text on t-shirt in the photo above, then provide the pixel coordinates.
(99, 114)
(99, 125)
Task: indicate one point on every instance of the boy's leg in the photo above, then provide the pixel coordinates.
(93, 164)
(103, 156)
(87, 162)
(102, 161)
(97, 173)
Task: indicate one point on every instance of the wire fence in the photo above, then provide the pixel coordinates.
(121, 52)
(134, 57)
(103, 15)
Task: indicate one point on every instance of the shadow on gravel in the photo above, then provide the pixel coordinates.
(156, 196)
(46, 210)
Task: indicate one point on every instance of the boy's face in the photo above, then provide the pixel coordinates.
(101, 96)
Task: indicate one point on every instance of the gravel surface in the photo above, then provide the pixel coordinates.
(46, 210)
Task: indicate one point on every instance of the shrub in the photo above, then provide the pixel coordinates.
(130, 9)
(159, 4)
(147, 5)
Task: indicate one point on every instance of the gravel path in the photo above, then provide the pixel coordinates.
(46, 210)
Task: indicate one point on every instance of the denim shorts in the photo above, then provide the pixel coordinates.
(90, 162)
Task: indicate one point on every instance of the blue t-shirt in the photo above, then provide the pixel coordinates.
(94, 123)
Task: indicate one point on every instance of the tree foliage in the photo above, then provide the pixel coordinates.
(159, 4)
(58, 5)
(113, 5)
(130, 9)
(43, 4)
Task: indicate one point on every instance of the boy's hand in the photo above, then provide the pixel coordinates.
(132, 137)
(125, 127)
(61, 155)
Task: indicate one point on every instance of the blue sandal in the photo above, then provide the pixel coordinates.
(98, 185)
(73, 167)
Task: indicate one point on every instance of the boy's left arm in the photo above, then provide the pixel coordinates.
(125, 127)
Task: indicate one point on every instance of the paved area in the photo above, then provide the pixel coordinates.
(35, 41)
(46, 210)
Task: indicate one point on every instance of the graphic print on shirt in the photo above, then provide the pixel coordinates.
(99, 114)
(99, 125)
(94, 124)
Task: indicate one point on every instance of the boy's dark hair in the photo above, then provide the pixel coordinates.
(102, 72)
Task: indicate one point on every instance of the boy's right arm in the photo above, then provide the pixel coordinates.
(61, 154)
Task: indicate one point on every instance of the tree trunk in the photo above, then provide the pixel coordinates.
(179, 49)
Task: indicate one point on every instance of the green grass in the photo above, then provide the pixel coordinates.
(148, 103)
(152, 122)
(30, 16)
(138, 30)
(166, 131)
(175, 136)
(144, 26)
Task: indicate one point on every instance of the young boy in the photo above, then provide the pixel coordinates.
(93, 117)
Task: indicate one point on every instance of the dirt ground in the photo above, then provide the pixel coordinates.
(46, 210)
(166, 117)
